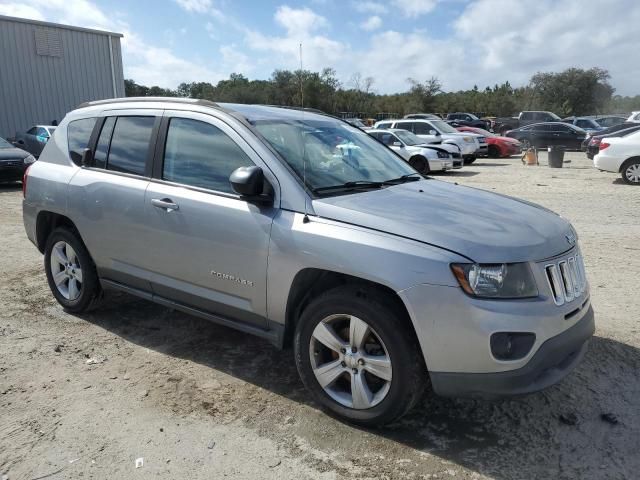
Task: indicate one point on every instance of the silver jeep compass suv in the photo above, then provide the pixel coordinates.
(304, 230)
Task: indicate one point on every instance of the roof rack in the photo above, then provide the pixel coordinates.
(183, 100)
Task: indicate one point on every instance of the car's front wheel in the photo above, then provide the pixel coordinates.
(70, 271)
(630, 172)
(494, 151)
(358, 356)
(420, 163)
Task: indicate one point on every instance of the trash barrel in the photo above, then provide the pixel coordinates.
(556, 156)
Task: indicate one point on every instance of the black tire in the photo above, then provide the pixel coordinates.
(469, 160)
(89, 291)
(420, 163)
(409, 374)
(494, 152)
(630, 171)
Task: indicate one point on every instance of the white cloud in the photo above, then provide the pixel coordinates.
(369, 6)
(20, 10)
(234, 60)
(414, 8)
(371, 23)
(301, 26)
(198, 6)
(299, 21)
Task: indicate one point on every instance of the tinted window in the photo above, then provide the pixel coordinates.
(130, 144)
(384, 125)
(42, 132)
(422, 128)
(102, 149)
(79, 133)
(201, 155)
(406, 125)
(32, 131)
(584, 123)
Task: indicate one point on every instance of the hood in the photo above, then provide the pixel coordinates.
(483, 226)
(12, 154)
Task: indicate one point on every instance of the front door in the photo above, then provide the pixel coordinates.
(207, 247)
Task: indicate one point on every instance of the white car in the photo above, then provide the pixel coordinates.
(620, 155)
(634, 117)
(423, 157)
(437, 130)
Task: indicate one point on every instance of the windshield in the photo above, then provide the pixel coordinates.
(409, 138)
(443, 127)
(4, 143)
(327, 153)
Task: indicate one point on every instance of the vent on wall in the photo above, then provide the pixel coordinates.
(48, 42)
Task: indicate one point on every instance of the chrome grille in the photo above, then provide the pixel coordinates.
(567, 279)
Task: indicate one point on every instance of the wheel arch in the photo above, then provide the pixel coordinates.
(629, 160)
(311, 282)
(47, 222)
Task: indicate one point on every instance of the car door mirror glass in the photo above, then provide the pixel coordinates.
(433, 132)
(396, 144)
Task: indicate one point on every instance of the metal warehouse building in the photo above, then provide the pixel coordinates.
(47, 69)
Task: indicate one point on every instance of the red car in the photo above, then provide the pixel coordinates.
(498, 146)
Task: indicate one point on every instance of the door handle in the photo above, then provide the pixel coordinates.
(165, 204)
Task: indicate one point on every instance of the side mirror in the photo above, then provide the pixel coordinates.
(433, 132)
(249, 182)
(20, 142)
(396, 144)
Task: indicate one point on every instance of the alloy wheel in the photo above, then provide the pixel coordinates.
(350, 361)
(66, 270)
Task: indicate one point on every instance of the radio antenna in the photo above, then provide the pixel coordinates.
(305, 219)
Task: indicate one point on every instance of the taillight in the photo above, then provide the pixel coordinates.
(604, 145)
(595, 141)
(24, 182)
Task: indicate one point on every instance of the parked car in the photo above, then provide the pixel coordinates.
(439, 130)
(498, 146)
(356, 122)
(587, 124)
(460, 119)
(593, 146)
(13, 162)
(634, 117)
(301, 229)
(34, 139)
(610, 120)
(423, 116)
(606, 131)
(541, 135)
(421, 156)
(503, 124)
(621, 155)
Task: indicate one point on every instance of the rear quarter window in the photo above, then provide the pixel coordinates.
(79, 134)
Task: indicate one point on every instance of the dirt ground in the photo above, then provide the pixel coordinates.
(85, 396)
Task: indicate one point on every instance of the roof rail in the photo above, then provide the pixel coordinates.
(183, 100)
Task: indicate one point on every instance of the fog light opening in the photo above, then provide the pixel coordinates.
(511, 345)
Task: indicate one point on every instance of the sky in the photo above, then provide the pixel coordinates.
(462, 42)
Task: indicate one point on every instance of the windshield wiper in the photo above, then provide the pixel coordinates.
(409, 177)
(365, 184)
(356, 185)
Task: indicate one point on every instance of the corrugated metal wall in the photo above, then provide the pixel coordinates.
(37, 88)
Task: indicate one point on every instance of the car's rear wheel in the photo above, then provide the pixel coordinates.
(630, 172)
(70, 271)
(358, 356)
(420, 163)
(494, 152)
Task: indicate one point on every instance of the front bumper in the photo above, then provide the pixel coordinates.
(440, 165)
(483, 150)
(553, 361)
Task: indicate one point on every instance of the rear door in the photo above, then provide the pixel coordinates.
(205, 245)
(106, 199)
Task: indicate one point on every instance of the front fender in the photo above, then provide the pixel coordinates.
(394, 262)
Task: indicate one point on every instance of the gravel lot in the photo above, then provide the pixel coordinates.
(85, 396)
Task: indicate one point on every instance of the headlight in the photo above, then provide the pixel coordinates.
(505, 280)
(468, 139)
(29, 160)
(443, 155)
